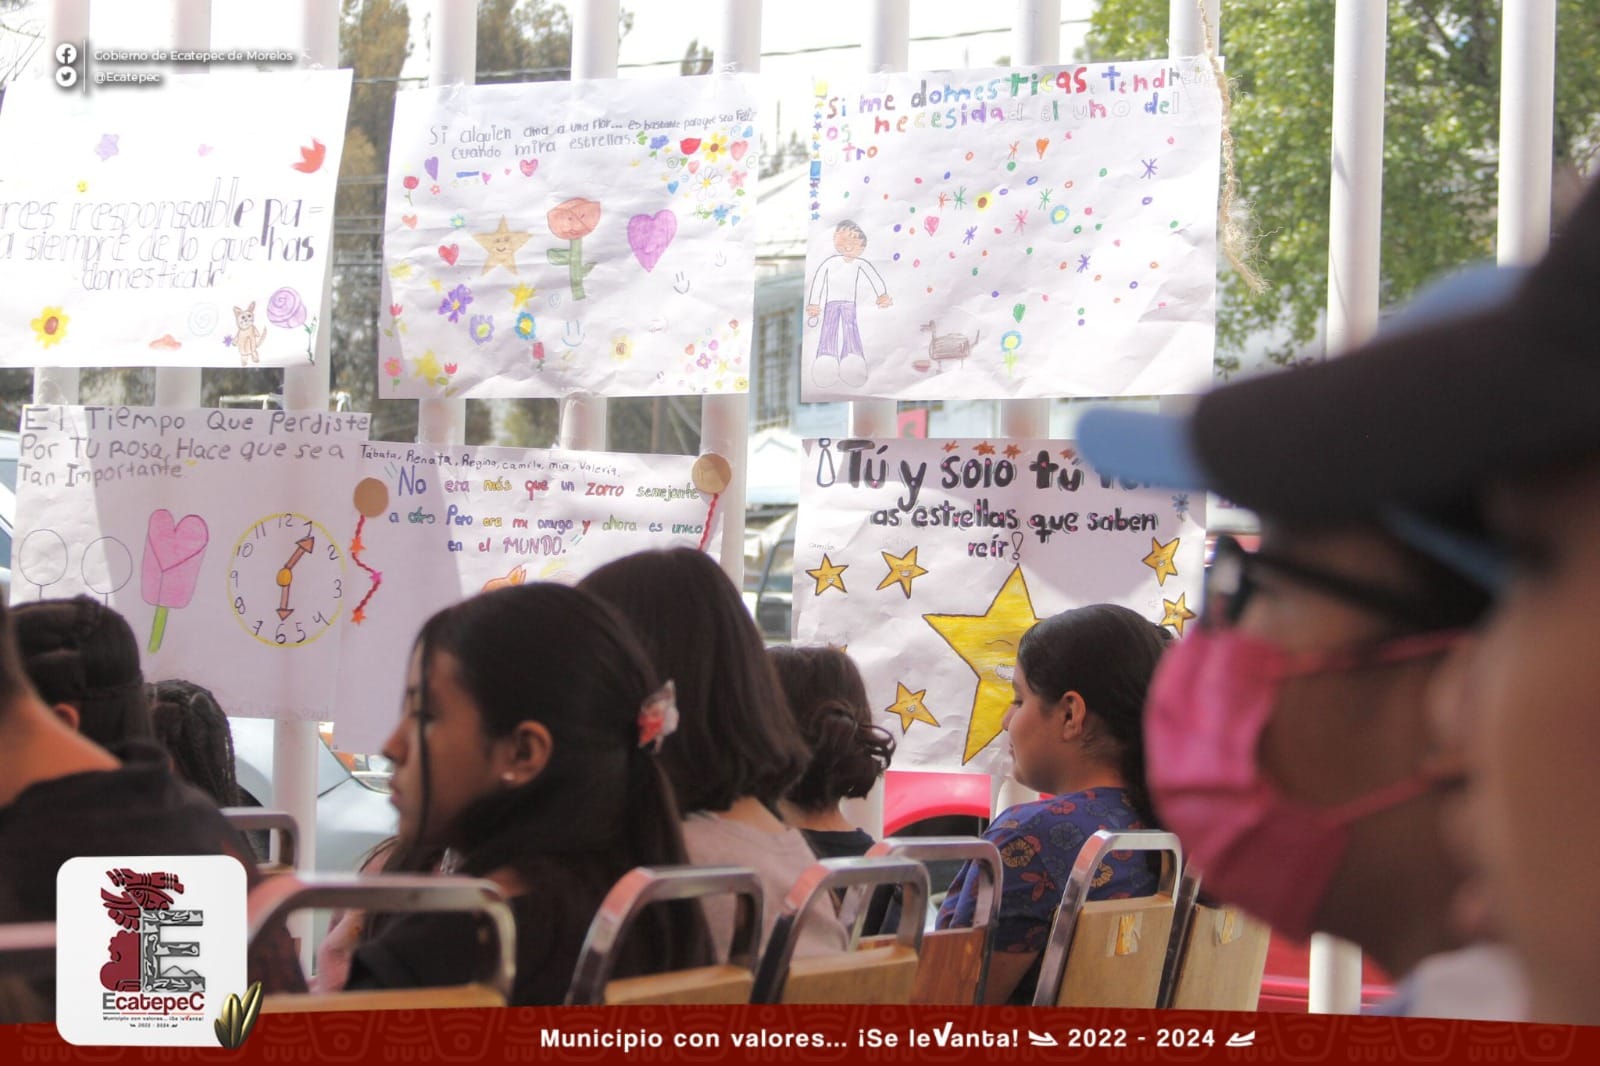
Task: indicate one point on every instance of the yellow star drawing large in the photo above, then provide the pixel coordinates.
(909, 706)
(1160, 559)
(903, 570)
(1177, 612)
(988, 642)
(829, 576)
(501, 244)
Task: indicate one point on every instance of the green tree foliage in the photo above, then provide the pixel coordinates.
(1441, 120)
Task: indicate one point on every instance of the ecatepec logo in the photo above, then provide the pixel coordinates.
(148, 948)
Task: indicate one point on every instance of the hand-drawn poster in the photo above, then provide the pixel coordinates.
(928, 560)
(216, 533)
(1012, 232)
(428, 525)
(559, 237)
(188, 224)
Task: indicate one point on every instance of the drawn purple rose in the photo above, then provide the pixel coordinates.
(285, 309)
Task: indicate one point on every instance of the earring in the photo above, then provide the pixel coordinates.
(510, 779)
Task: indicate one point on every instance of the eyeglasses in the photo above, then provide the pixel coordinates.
(1230, 582)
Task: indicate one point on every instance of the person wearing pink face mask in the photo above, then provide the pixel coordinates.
(1287, 738)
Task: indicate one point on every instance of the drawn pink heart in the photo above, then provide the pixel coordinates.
(931, 224)
(694, 166)
(396, 310)
(649, 235)
(508, 170)
(738, 148)
(449, 252)
(205, 149)
(431, 165)
(173, 552)
(528, 167)
(486, 177)
(409, 220)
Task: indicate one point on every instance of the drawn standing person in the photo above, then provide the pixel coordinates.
(833, 295)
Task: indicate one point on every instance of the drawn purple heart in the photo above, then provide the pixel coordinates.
(649, 235)
(431, 165)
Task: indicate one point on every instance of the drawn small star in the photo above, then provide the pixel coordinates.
(1022, 220)
(972, 231)
(83, 186)
(1012, 451)
(502, 243)
(1044, 198)
(944, 198)
(1149, 168)
(984, 448)
(909, 706)
(1013, 153)
(903, 570)
(1177, 612)
(521, 295)
(1083, 263)
(1068, 454)
(828, 576)
(1160, 559)
(952, 446)
(961, 196)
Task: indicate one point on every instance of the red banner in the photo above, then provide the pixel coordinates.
(831, 1034)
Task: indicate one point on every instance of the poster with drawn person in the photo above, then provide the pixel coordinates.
(1013, 232)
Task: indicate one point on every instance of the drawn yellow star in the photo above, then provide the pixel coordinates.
(1177, 612)
(400, 271)
(909, 706)
(521, 295)
(1160, 559)
(502, 243)
(988, 643)
(829, 576)
(903, 570)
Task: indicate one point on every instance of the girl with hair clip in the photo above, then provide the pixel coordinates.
(527, 751)
(848, 753)
(1075, 734)
(738, 750)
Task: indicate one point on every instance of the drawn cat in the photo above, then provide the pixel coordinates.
(248, 337)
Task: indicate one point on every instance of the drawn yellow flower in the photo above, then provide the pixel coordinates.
(50, 326)
(622, 348)
(715, 145)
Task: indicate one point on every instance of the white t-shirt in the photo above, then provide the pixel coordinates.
(839, 278)
(778, 860)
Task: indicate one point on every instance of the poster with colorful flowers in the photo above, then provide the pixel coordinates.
(188, 223)
(1013, 232)
(558, 237)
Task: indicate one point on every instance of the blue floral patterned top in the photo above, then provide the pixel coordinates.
(1038, 843)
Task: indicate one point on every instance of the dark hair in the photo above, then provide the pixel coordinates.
(80, 652)
(736, 736)
(550, 654)
(190, 724)
(849, 226)
(1106, 654)
(13, 677)
(829, 701)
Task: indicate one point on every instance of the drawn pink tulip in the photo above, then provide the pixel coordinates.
(572, 221)
(173, 552)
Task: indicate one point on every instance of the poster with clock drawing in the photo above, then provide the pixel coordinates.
(209, 530)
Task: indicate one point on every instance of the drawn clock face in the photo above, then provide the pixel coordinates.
(286, 580)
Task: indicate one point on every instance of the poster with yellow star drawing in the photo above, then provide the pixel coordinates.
(548, 238)
(930, 558)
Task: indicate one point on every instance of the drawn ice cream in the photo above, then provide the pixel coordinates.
(173, 552)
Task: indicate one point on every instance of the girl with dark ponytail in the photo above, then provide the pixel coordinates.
(1075, 734)
(526, 751)
(848, 753)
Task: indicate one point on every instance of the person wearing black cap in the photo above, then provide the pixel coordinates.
(1288, 740)
(1464, 436)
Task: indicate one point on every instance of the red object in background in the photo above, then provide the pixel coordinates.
(912, 423)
